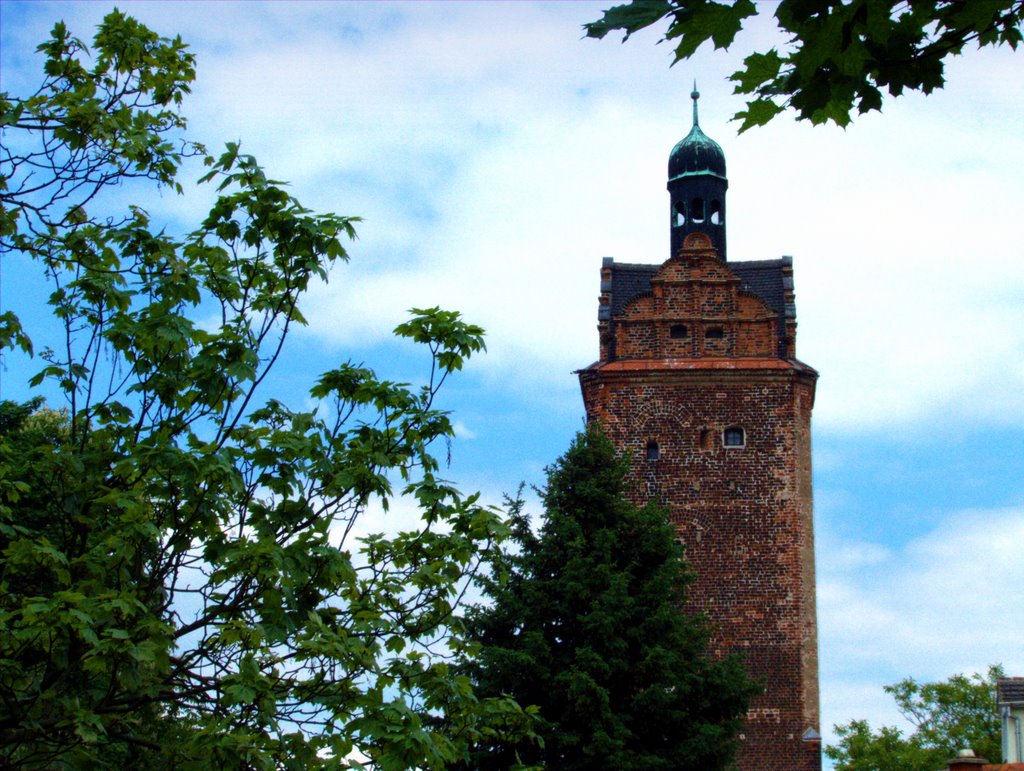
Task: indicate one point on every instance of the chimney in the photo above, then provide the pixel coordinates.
(966, 760)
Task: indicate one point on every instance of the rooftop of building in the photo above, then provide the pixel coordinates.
(1010, 691)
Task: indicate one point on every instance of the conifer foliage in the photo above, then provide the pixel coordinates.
(587, 623)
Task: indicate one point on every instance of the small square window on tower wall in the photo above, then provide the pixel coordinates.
(734, 437)
(714, 333)
(678, 331)
(653, 452)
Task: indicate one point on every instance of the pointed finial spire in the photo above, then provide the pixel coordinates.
(695, 95)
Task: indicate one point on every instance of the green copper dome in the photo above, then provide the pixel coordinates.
(697, 153)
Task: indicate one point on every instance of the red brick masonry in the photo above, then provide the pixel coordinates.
(744, 513)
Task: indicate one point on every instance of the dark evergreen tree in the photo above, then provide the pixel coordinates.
(586, 622)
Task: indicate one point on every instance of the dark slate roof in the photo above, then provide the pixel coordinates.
(629, 281)
(1010, 690)
(759, 277)
(764, 279)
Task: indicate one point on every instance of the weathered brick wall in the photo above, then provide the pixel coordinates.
(743, 513)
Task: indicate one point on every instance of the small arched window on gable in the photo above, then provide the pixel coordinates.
(734, 436)
(653, 451)
(678, 331)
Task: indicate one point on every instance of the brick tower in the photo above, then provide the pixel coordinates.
(698, 379)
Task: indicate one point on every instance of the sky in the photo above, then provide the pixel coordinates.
(495, 157)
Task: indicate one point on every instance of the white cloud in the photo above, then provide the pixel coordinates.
(503, 158)
(941, 604)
